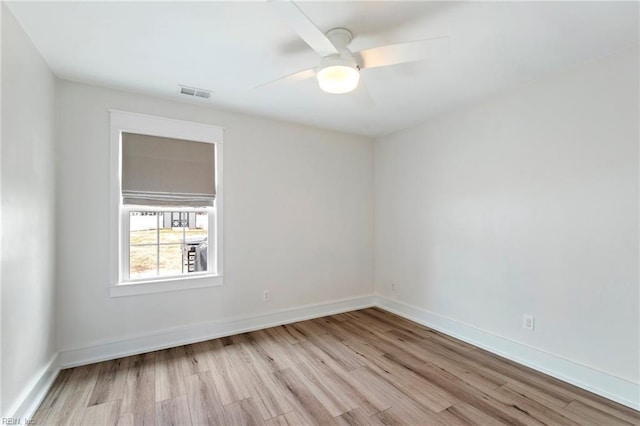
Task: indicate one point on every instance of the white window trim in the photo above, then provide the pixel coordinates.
(169, 128)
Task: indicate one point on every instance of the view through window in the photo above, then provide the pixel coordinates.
(167, 243)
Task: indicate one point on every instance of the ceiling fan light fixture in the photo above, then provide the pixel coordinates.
(337, 77)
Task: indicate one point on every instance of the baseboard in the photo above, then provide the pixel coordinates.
(34, 392)
(598, 382)
(106, 350)
(611, 387)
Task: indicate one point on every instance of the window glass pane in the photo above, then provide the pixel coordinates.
(196, 244)
(143, 261)
(195, 252)
(171, 260)
(174, 226)
(199, 228)
(171, 235)
(143, 228)
(167, 243)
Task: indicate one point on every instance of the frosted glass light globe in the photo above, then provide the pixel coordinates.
(338, 79)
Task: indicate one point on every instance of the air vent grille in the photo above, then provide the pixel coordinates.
(187, 91)
(194, 92)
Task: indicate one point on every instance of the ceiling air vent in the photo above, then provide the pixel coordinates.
(194, 92)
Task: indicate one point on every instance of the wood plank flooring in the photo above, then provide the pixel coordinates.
(366, 367)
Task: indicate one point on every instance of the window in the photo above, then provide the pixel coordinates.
(167, 204)
(167, 243)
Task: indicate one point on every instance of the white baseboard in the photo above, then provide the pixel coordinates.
(33, 394)
(598, 382)
(107, 350)
(611, 387)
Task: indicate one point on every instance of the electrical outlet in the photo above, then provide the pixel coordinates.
(266, 295)
(528, 322)
(393, 287)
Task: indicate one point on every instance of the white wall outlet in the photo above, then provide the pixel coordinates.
(266, 295)
(528, 322)
(393, 287)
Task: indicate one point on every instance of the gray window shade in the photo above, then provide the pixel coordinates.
(167, 172)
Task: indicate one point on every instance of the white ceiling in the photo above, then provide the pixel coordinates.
(231, 47)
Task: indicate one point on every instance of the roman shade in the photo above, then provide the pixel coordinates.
(159, 171)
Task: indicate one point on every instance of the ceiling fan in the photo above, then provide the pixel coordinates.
(339, 69)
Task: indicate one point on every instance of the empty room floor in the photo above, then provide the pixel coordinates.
(361, 367)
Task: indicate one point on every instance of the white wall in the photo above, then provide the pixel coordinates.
(524, 203)
(28, 290)
(298, 220)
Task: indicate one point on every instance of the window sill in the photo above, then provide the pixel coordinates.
(161, 286)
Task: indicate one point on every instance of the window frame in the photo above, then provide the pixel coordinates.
(121, 121)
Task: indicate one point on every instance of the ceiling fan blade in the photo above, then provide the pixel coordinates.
(296, 76)
(361, 96)
(431, 48)
(305, 28)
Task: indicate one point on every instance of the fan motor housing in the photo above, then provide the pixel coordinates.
(340, 37)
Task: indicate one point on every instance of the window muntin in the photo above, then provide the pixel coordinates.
(164, 244)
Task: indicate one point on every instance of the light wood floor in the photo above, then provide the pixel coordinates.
(363, 367)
